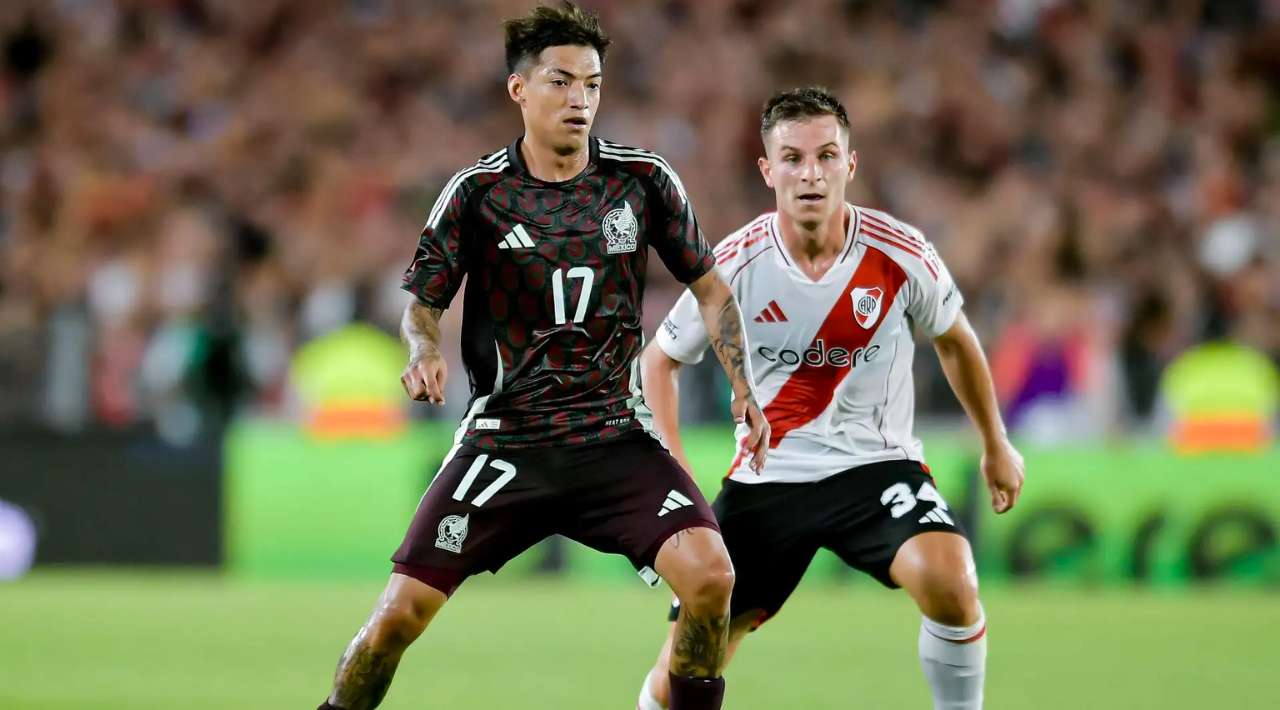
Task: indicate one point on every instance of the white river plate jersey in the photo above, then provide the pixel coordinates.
(831, 358)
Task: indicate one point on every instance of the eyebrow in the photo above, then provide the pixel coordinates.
(831, 144)
(571, 75)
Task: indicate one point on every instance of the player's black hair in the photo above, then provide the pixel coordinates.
(552, 27)
(807, 102)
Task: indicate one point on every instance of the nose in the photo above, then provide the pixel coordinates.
(810, 172)
(578, 96)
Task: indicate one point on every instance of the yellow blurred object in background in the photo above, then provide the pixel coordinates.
(348, 382)
(1223, 396)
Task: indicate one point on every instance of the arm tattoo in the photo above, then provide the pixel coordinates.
(420, 329)
(730, 346)
(363, 675)
(700, 645)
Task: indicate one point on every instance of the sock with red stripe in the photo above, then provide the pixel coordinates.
(954, 660)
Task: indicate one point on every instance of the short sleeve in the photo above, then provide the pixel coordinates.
(439, 262)
(935, 298)
(683, 335)
(677, 237)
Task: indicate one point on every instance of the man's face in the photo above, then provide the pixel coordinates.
(808, 163)
(558, 93)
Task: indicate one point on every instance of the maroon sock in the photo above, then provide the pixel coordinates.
(696, 693)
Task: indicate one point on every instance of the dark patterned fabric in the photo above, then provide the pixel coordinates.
(634, 497)
(546, 367)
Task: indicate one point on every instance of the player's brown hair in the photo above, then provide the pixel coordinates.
(552, 27)
(807, 102)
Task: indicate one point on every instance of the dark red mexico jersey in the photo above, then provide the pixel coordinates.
(551, 315)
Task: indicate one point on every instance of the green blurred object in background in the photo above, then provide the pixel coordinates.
(302, 507)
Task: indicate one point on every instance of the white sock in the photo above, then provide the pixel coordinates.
(647, 701)
(955, 670)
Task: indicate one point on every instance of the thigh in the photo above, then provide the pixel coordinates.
(627, 497)
(937, 570)
(768, 528)
(886, 504)
(482, 509)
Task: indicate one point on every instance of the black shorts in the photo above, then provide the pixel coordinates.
(864, 514)
(485, 507)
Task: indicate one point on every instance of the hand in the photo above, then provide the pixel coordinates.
(746, 410)
(1004, 472)
(424, 377)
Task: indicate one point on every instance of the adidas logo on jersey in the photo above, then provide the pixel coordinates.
(772, 313)
(516, 239)
(937, 515)
(675, 501)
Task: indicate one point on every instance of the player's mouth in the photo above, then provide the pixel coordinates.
(810, 197)
(576, 122)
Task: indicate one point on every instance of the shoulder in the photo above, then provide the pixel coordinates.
(642, 163)
(485, 171)
(902, 242)
(738, 251)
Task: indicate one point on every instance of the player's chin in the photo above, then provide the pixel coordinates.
(570, 143)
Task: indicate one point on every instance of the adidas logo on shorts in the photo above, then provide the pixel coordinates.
(937, 515)
(675, 501)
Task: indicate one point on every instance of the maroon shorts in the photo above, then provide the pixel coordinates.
(625, 496)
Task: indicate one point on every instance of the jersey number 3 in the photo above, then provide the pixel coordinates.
(901, 501)
(558, 292)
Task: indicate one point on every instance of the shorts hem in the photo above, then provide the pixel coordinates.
(881, 573)
(445, 581)
(650, 556)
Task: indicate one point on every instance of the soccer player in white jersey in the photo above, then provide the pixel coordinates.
(834, 294)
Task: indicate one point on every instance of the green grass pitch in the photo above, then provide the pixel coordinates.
(191, 641)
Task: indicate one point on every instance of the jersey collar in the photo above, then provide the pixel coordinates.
(784, 260)
(517, 163)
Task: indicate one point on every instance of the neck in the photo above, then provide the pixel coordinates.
(814, 250)
(546, 164)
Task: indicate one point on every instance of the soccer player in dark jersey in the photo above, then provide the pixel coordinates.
(552, 233)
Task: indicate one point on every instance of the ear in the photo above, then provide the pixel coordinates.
(515, 88)
(765, 171)
(853, 164)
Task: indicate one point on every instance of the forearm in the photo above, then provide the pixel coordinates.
(660, 378)
(967, 372)
(723, 320)
(420, 329)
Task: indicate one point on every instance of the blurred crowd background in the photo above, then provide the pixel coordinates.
(190, 190)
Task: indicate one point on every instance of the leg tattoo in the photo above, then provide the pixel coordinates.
(700, 644)
(364, 674)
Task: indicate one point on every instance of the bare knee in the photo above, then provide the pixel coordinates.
(403, 612)
(696, 565)
(395, 625)
(709, 589)
(951, 600)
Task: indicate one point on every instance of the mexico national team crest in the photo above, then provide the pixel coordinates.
(866, 305)
(451, 533)
(620, 229)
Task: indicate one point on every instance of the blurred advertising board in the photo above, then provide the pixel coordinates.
(301, 505)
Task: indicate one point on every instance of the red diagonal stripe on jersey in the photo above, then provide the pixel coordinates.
(777, 311)
(810, 389)
(893, 242)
